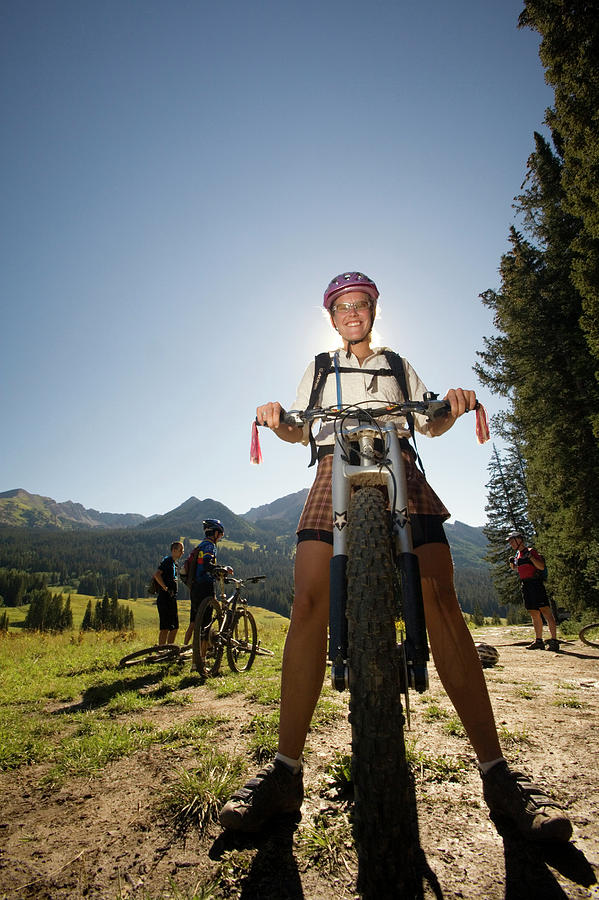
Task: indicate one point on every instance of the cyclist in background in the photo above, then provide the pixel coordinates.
(350, 300)
(202, 585)
(529, 564)
(166, 601)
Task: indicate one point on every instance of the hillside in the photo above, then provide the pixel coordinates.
(281, 515)
(88, 555)
(24, 510)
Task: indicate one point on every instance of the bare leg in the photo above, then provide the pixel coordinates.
(162, 636)
(550, 619)
(454, 653)
(171, 636)
(188, 634)
(304, 657)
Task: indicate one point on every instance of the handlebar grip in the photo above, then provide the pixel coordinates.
(285, 419)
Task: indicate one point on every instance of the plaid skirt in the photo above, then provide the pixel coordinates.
(426, 510)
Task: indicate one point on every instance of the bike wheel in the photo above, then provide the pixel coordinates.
(384, 818)
(241, 646)
(160, 653)
(589, 635)
(207, 643)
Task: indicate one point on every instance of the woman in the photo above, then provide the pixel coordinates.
(350, 299)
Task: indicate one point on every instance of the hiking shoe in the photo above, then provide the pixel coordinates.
(514, 796)
(537, 645)
(553, 644)
(274, 791)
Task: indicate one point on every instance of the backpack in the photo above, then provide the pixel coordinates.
(541, 574)
(187, 572)
(153, 587)
(324, 365)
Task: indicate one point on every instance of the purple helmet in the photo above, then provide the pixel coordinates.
(349, 281)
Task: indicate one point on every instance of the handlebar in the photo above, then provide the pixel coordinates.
(429, 406)
(221, 572)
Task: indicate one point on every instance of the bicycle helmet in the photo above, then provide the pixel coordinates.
(212, 525)
(488, 655)
(514, 536)
(349, 281)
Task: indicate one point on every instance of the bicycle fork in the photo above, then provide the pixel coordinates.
(414, 647)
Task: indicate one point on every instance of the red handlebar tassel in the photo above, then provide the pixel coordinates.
(482, 424)
(255, 451)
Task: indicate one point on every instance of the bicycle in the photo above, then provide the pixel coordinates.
(374, 581)
(159, 653)
(589, 635)
(225, 623)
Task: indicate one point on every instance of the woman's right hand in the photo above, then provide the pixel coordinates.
(269, 414)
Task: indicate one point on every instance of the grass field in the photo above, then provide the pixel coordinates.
(83, 667)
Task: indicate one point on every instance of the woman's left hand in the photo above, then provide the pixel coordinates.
(461, 402)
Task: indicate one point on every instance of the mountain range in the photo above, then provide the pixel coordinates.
(19, 508)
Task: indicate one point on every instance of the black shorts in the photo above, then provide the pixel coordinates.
(199, 591)
(425, 530)
(168, 613)
(534, 593)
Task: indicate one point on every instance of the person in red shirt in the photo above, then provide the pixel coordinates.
(529, 564)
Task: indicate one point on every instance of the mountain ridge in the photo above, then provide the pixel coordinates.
(19, 508)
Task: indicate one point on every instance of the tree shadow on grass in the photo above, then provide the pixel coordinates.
(101, 694)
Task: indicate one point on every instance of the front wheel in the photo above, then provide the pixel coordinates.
(384, 819)
(241, 647)
(207, 641)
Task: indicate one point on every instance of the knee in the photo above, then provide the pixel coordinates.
(310, 608)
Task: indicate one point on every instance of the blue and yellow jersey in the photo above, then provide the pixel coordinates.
(206, 559)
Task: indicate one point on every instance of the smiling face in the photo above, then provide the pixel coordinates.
(352, 315)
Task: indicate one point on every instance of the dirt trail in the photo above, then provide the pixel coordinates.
(102, 837)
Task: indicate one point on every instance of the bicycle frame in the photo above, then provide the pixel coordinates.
(384, 468)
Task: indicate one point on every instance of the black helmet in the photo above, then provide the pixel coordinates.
(211, 525)
(488, 655)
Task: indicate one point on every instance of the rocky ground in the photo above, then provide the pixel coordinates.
(103, 837)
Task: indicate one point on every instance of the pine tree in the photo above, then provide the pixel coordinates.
(540, 361)
(87, 623)
(569, 51)
(507, 511)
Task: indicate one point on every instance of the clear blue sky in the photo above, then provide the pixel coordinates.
(180, 181)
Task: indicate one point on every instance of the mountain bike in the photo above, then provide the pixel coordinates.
(225, 623)
(159, 653)
(374, 583)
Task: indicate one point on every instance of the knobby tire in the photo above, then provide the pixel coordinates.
(241, 647)
(589, 635)
(384, 819)
(207, 643)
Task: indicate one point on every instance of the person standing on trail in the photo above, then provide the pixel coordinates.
(166, 578)
(529, 564)
(351, 302)
(203, 559)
